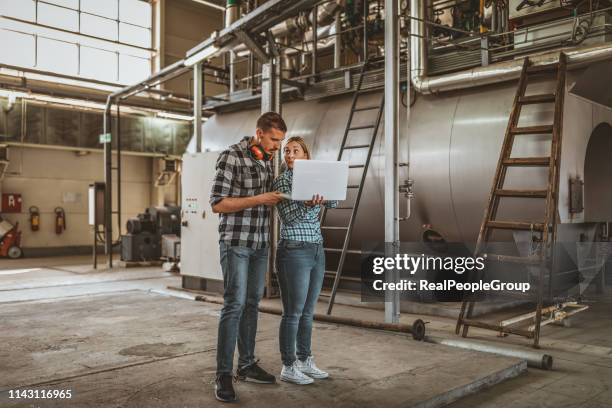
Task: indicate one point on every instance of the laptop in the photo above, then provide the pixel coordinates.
(325, 178)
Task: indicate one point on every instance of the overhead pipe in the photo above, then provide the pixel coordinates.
(491, 74)
(326, 14)
(327, 35)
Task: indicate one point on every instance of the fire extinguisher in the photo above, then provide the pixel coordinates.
(34, 218)
(60, 220)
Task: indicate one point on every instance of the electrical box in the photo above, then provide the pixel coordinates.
(200, 226)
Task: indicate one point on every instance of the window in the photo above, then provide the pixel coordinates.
(18, 53)
(99, 27)
(99, 64)
(21, 9)
(131, 68)
(58, 56)
(59, 17)
(92, 39)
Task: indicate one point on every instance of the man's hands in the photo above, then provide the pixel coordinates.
(235, 204)
(271, 198)
(316, 200)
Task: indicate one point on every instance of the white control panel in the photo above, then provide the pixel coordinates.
(199, 230)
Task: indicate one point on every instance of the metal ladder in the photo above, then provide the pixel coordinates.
(547, 228)
(359, 187)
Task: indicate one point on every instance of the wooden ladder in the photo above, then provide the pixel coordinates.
(547, 228)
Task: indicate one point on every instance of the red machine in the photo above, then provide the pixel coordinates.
(10, 240)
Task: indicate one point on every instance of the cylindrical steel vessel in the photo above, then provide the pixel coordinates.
(452, 145)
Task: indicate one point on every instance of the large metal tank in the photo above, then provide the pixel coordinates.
(452, 145)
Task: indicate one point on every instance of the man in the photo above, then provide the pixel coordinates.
(242, 195)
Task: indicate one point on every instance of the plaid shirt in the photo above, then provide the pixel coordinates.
(239, 175)
(299, 222)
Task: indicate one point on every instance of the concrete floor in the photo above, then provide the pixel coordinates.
(117, 338)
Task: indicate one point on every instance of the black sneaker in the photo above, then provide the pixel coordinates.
(224, 388)
(254, 373)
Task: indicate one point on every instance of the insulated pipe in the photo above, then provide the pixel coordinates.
(232, 13)
(329, 40)
(417, 329)
(533, 358)
(494, 73)
(325, 24)
(337, 40)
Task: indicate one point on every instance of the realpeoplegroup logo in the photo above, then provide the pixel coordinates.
(451, 284)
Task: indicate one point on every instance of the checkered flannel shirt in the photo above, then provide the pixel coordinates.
(299, 222)
(239, 175)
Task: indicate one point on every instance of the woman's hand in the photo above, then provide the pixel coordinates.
(316, 200)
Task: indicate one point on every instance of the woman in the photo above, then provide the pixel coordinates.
(300, 261)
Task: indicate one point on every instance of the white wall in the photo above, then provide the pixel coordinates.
(49, 178)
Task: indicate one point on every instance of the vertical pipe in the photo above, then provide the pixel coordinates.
(108, 180)
(338, 42)
(418, 45)
(494, 15)
(232, 12)
(270, 101)
(232, 72)
(250, 72)
(197, 105)
(95, 231)
(481, 9)
(391, 147)
(366, 12)
(315, 39)
(159, 22)
(119, 169)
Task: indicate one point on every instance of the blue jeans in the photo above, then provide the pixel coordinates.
(301, 266)
(244, 270)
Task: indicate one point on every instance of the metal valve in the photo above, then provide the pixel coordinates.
(406, 189)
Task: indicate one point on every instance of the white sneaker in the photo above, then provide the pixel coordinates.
(309, 368)
(293, 375)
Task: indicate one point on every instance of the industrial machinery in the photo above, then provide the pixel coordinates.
(10, 240)
(459, 64)
(151, 235)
